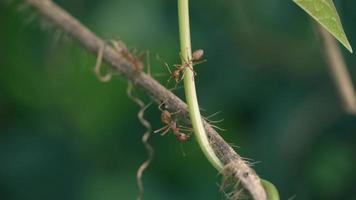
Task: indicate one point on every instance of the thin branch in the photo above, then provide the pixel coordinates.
(338, 70)
(127, 67)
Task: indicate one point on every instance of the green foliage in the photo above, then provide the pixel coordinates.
(325, 13)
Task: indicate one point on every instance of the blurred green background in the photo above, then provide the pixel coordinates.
(65, 135)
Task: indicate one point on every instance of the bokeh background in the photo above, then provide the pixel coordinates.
(65, 135)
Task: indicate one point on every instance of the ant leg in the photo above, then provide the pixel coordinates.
(181, 78)
(118, 46)
(167, 66)
(196, 63)
(183, 66)
(199, 62)
(164, 129)
(189, 63)
(187, 129)
(160, 106)
(170, 72)
(191, 68)
(170, 78)
(177, 66)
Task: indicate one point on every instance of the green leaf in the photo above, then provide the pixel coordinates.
(324, 12)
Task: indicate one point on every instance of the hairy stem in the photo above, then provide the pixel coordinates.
(189, 86)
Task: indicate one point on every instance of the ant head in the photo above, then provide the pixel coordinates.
(182, 137)
(138, 66)
(197, 54)
(176, 75)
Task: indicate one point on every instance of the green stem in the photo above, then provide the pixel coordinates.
(192, 100)
(189, 86)
(271, 190)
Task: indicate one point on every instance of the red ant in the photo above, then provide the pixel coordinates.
(196, 59)
(134, 59)
(170, 124)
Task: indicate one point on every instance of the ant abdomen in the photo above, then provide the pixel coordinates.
(197, 54)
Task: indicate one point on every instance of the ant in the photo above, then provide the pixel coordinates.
(195, 60)
(121, 48)
(170, 124)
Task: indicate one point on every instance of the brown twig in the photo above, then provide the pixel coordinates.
(338, 70)
(89, 41)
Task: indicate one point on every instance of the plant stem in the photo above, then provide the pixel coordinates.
(189, 86)
(192, 101)
(338, 70)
